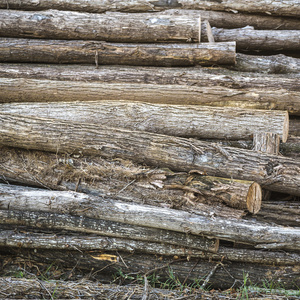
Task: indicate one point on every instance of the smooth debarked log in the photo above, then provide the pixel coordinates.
(140, 28)
(103, 53)
(180, 154)
(278, 8)
(186, 191)
(177, 120)
(260, 235)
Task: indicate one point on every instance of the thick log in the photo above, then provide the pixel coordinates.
(273, 64)
(199, 86)
(177, 120)
(164, 267)
(34, 240)
(180, 154)
(141, 28)
(102, 53)
(130, 182)
(278, 8)
(257, 234)
(108, 229)
(266, 142)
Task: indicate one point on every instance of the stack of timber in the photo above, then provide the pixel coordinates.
(149, 138)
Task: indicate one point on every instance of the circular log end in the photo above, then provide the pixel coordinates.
(254, 198)
(285, 131)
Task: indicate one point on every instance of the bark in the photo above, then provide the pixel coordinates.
(141, 28)
(291, 148)
(102, 53)
(257, 234)
(160, 187)
(295, 126)
(266, 142)
(180, 154)
(34, 240)
(274, 64)
(183, 271)
(278, 8)
(176, 120)
(109, 231)
(214, 94)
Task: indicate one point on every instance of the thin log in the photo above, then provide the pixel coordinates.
(79, 51)
(199, 86)
(131, 182)
(257, 234)
(180, 154)
(141, 28)
(203, 121)
(273, 64)
(277, 8)
(34, 240)
(140, 265)
(266, 142)
(108, 229)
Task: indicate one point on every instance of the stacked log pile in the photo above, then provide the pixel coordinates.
(151, 137)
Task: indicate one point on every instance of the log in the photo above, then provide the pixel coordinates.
(176, 120)
(103, 53)
(199, 86)
(140, 28)
(266, 142)
(276, 8)
(108, 229)
(131, 182)
(295, 126)
(257, 234)
(164, 267)
(291, 148)
(273, 64)
(180, 154)
(34, 240)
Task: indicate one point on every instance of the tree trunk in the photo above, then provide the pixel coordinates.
(257, 234)
(277, 8)
(266, 142)
(165, 268)
(274, 64)
(180, 154)
(177, 120)
(140, 28)
(102, 53)
(131, 182)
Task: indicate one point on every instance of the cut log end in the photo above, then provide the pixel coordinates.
(285, 131)
(254, 198)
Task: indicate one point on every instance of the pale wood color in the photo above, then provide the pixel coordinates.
(260, 235)
(105, 230)
(210, 36)
(181, 154)
(199, 86)
(266, 142)
(79, 51)
(139, 28)
(176, 120)
(276, 64)
(277, 8)
(160, 187)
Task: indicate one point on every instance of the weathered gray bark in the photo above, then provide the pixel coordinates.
(286, 8)
(102, 53)
(106, 228)
(200, 86)
(295, 126)
(140, 28)
(177, 120)
(257, 234)
(130, 182)
(273, 64)
(266, 142)
(180, 154)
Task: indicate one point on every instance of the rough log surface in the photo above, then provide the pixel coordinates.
(180, 154)
(177, 120)
(200, 86)
(257, 234)
(295, 126)
(102, 53)
(278, 8)
(266, 142)
(53, 24)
